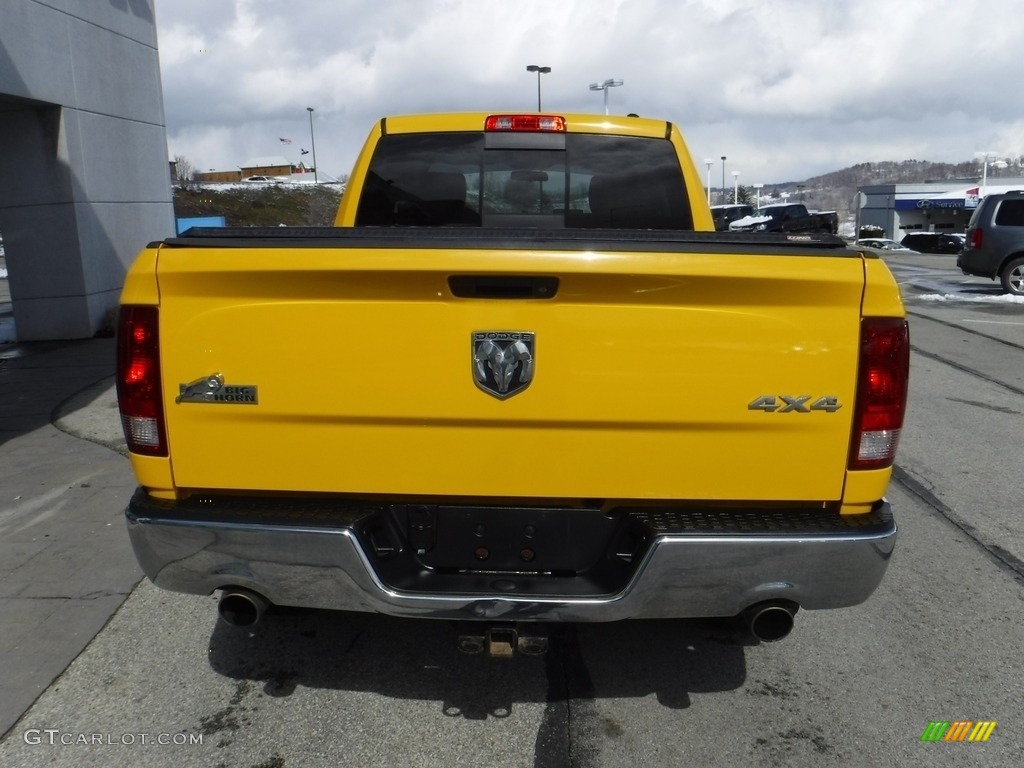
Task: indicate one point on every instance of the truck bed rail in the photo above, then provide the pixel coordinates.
(502, 239)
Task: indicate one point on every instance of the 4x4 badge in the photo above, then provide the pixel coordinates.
(503, 361)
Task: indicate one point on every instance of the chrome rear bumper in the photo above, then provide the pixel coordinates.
(318, 554)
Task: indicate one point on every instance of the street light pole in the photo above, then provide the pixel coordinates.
(984, 172)
(604, 87)
(723, 179)
(540, 71)
(709, 162)
(316, 178)
(735, 187)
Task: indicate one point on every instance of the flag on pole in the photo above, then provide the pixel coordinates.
(286, 141)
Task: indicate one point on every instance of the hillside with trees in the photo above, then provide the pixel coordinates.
(306, 205)
(834, 191)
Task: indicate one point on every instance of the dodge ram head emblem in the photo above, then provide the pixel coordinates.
(502, 362)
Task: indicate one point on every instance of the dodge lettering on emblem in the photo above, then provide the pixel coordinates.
(503, 361)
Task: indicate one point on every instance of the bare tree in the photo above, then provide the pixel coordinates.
(184, 173)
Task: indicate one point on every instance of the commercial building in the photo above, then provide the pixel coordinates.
(276, 167)
(939, 206)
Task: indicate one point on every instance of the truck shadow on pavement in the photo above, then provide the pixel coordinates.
(419, 660)
(40, 381)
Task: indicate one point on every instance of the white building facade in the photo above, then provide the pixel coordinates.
(940, 206)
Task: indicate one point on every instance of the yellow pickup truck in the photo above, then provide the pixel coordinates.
(522, 380)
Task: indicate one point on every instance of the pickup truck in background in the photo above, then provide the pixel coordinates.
(787, 217)
(522, 380)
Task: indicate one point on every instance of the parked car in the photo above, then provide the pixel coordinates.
(995, 241)
(787, 217)
(724, 215)
(882, 244)
(263, 180)
(933, 242)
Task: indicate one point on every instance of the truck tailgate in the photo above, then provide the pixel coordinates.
(654, 373)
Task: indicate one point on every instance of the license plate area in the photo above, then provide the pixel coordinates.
(522, 551)
(467, 539)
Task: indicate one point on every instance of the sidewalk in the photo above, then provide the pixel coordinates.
(65, 561)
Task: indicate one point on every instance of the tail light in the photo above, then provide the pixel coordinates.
(139, 395)
(525, 123)
(974, 238)
(881, 392)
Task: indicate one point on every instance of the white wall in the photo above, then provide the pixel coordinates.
(84, 180)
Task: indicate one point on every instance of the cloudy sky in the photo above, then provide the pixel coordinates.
(786, 89)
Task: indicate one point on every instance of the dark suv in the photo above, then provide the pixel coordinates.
(995, 241)
(933, 242)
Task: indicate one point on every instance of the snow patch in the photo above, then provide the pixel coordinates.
(1006, 298)
(749, 221)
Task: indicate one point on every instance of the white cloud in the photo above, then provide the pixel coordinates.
(785, 88)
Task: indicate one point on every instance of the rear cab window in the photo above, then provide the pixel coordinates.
(524, 180)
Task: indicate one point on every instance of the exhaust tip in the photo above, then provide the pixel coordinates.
(770, 621)
(242, 608)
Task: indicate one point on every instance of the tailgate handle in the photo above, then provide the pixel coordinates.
(503, 287)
